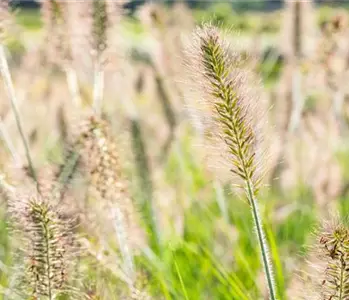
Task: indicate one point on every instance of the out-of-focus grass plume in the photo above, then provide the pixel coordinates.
(135, 139)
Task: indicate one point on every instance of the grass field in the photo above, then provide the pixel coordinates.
(198, 234)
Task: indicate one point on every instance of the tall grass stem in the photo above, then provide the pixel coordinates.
(119, 226)
(13, 100)
(5, 137)
(73, 85)
(261, 239)
(98, 89)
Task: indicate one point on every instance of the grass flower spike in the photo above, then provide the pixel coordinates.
(225, 83)
(104, 15)
(336, 249)
(47, 246)
(330, 279)
(101, 163)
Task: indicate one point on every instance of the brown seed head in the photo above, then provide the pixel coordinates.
(329, 274)
(102, 17)
(100, 162)
(47, 245)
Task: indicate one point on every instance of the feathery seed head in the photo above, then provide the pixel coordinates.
(103, 16)
(101, 164)
(224, 80)
(55, 17)
(334, 244)
(99, 155)
(47, 245)
(329, 278)
(52, 12)
(225, 83)
(99, 26)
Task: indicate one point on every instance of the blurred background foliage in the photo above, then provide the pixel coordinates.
(242, 15)
(208, 246)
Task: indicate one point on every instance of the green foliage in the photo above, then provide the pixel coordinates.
(16, 47)
(270, 67)
(223, 13)
(5, 255)
(30, 19)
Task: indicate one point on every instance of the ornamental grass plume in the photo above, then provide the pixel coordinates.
(97, 158)
(61, 40)
(56, 30)
(220, 75)
(46, 245)
(103, 17)
(334, 245)
(108, 196)
(329, 272)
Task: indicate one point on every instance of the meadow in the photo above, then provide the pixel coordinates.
(174, 153)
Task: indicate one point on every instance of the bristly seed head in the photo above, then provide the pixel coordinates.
(334, 245)
(329, 275)
(59, 43)
(100, 25)
(100, 162)
(103, 16)
(225, 84)
(47, 246)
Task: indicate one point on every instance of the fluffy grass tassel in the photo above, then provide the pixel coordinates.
(224, 80)
(46, 245)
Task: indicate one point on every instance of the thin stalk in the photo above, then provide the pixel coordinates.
(119, 226)
(13, 100)
(261, 239)
(297, 21)
(297, 100)
(271, 62)
(145, 182)
(73, 85)
(338, 100)
(5, 137)
(66, 174)
(98, 88)
(169, 112)
(184, 290)
(220, 197)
